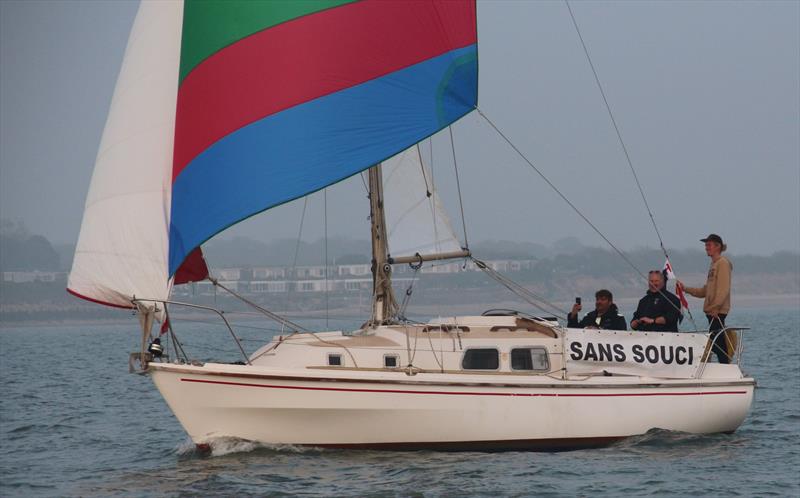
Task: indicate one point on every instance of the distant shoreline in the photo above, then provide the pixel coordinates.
(740, 302)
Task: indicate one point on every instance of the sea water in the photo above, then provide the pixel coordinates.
(73, 422)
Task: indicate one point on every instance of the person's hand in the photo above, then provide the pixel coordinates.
(647, 320)
(714, 315)
(575, 309)
(634, 324)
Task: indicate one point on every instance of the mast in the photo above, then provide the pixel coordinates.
(384, 306)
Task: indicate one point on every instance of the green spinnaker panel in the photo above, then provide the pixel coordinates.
(210, 25)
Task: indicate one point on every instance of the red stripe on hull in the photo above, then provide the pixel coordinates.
(460, 393)
(340, 48)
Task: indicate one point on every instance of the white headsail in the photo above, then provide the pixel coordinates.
(131, 185)
(416, 222)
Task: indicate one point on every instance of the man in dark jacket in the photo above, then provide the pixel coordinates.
(604, 316)
(659, 309)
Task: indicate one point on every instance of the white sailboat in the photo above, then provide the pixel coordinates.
(496, 381)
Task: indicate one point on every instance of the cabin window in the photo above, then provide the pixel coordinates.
(390, 361)
(335, 360)
(530, 359)
(480, 359)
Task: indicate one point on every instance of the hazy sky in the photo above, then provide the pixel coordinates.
(706, 95)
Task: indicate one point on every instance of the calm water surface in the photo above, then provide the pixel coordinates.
(73, 422)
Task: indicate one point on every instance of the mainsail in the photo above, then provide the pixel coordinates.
(416, 221)
(258, 103)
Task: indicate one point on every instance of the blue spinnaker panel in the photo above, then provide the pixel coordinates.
(315, 144)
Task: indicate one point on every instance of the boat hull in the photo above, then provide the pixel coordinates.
(428, 412)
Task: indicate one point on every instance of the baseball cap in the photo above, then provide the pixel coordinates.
(715, 238)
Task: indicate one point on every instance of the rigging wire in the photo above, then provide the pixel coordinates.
(209, 321)
(401, 314)
(428, 189)
(283, 321)
(431, 198)
(526, 294)
(574, 207)
(616, 129)
(325, 222)
(345, 318)
(622, 144)
(557, 191)
(430, 151)
(178, 346)
(299, 238)
(458, 186)
(293, 272)
(432, 204)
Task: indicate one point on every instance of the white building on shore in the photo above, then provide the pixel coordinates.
(337, 278)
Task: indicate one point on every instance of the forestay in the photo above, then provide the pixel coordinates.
(416, 221)
(669, 355)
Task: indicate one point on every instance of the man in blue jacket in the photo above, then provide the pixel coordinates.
(659, 309)
(605, 314)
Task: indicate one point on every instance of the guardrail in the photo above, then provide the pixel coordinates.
(199, 307)
(738, 349)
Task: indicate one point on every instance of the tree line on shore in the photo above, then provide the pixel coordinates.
(22, 251)
(558, 271)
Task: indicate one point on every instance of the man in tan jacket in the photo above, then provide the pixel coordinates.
(717, 294)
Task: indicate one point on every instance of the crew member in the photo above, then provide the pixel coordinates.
(717, 294)
(659, 309)
(605, 314)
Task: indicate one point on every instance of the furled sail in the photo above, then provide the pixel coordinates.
(280, 99)
(123, 243)
(416, 221)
